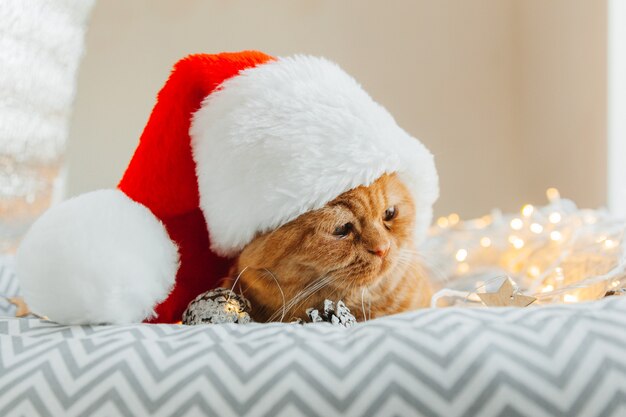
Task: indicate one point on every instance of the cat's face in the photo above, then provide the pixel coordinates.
(356, 237)
(354, 241)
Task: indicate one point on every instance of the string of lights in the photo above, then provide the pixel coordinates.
(556, 253)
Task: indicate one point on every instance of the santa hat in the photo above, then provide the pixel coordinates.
(238, 144)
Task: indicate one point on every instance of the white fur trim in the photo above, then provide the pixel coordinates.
(97, 258)
(288, 136)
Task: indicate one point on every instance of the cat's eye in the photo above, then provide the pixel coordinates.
(390, 213)
(343, 230)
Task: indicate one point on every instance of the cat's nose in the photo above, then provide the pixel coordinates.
(381, 249)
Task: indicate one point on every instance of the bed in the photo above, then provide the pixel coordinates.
(539, 361)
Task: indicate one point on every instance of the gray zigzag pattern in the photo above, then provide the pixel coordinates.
(339, 404)
(186, 364)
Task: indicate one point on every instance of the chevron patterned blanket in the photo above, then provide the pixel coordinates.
(546, 361)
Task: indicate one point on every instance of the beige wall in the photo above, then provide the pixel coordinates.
(562, 76)
(476, 81)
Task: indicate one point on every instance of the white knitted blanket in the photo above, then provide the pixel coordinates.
(41, 42)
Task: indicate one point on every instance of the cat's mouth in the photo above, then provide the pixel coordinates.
(370, 271)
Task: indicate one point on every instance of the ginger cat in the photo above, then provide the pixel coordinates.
(358, 248)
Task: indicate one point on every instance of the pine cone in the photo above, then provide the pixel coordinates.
(338, 314)
(220, 305)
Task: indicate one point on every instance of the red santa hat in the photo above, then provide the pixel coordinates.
(238, 144)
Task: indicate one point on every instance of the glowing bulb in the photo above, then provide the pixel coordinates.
(547, 288)
(517, 224)
(534, 271)
(569, 298)
(463, 267)
(527, 210)
(556, 235)
(485, 242)
(442, 222)
(516, 242)
(559, 273)
(479, 223)
(609, 244)
(453, 218)
(554, 217)
(615, 284)
(536, 228)
(553, 194)
(461, 255)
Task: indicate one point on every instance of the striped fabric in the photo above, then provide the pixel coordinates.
(544, 361)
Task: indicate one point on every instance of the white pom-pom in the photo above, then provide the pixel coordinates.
(97, 258)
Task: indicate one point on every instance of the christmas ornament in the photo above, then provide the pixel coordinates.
(506, 296)
(237, 144)
(217, 306)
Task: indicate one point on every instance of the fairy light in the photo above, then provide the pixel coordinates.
(516, 241)
(610, 244)
(553, 194)
(559, 273)
(570, 298)
(517, 224)
(555, 217)
(528, 210)
(443, 222)
(480, 223)
(533, 247)
(534, 271)
(463, 267)
(555, 235)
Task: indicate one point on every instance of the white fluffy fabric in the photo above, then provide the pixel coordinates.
(41, 43)
(97, 258)
(288, 136)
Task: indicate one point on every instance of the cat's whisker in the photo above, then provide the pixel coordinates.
(308, 292)
(312, 293)
(363, 303)
(409, 253)
(282, 294)
(235, 283)
(289, 305)
(258, 277)
(323, 282)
